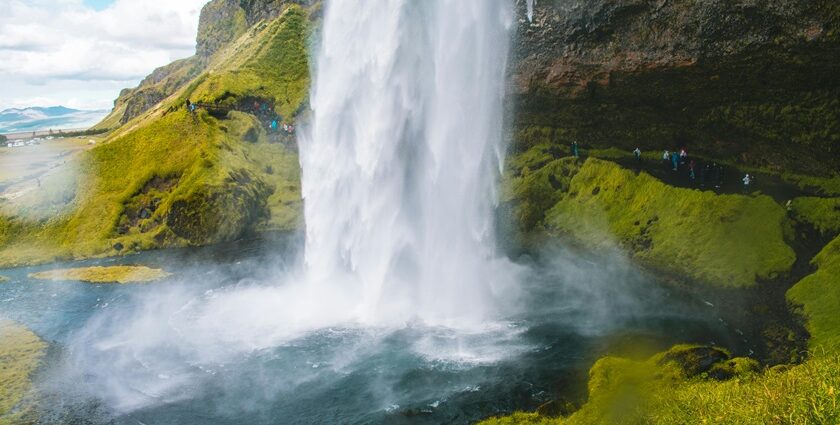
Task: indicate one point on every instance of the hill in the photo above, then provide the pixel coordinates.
(44, 118)
(171, 177)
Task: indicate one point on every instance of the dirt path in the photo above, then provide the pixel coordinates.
(731, 183)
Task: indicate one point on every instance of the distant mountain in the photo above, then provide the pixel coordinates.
(17, 120)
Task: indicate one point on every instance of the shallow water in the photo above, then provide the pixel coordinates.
(101, 368)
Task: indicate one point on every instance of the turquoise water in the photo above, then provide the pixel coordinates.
(575, 309)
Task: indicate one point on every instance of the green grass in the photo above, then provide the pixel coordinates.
(689, 233)
(20, 354)
(819, 295)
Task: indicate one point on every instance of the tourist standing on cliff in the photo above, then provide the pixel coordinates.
(638, 153)
(747, 181)
(675, 160)
(575, 152)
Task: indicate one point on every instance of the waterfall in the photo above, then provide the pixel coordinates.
(530, 5)
(400, 161)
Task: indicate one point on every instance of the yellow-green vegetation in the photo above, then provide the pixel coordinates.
(171, 178)
(3, 279)
(726, 240)
(819, 295)
(664, 390)
(99, 274)
(20, 354)
(271, 63)
(822, 213)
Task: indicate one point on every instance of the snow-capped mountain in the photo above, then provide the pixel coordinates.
(18, 120)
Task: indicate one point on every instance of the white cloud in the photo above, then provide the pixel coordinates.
(64, 52)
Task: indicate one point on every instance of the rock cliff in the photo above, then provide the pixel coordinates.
(758, 81)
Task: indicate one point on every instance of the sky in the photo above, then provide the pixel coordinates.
(81, 53)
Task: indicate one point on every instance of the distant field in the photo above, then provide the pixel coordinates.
(29, 134)
(21, 164)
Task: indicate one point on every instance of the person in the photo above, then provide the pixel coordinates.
(683, 155)
(675, 160)
(691, 174)
(189, 105)
(638, 153)
(716, 177)
(666, 158)
(192, 108)
(575, 152)
(274, 125)
(747, 180)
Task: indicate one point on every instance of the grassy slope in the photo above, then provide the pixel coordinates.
(222, 181)
(819, 295)
(20, 354)
(690, 233)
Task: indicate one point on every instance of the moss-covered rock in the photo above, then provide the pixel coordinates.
(819, 296)
(650, 392)
(100, 274)
(823, 214)
(726, 240)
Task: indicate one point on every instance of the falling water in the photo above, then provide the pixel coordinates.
(401, 160)
(530, 5)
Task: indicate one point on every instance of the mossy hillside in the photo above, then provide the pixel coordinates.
(272, 62)
(20, 354)
(819, 296)
(727, 240)
(656, 392)
(228, 176)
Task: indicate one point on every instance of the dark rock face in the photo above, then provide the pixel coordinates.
(756, 81)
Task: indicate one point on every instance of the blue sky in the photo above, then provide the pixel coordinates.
(81, 53)
(98, 4)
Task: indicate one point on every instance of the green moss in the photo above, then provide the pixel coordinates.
(112, 274)
(20, 354)
(521, 418)
(819, 295)
(686, 232)
(4, 279)
(821, 213)
(648, 392)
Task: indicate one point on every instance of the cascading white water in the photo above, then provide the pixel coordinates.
(530, 8)
(401, 159)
